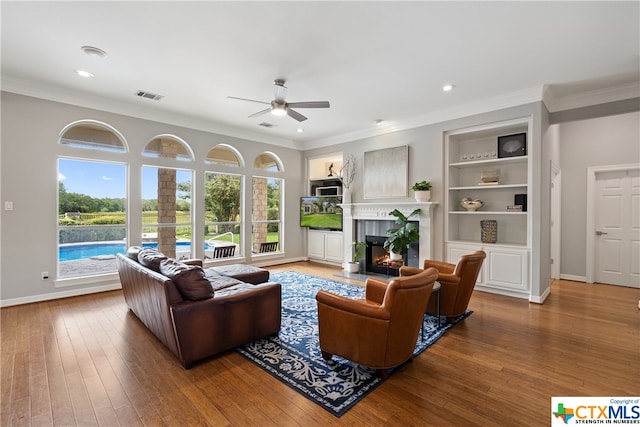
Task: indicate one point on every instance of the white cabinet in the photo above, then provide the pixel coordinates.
(324, 246)
(469, 155)
(504, 271)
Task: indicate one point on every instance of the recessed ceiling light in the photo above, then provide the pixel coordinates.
(300, 130)
(94, 51)
(83, 73)
(448, 87)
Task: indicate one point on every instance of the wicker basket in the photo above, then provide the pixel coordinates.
(489, 232)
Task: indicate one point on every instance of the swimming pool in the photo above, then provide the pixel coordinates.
(76, 251)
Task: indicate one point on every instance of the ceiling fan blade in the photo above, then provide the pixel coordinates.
(259, 113)
(247, 99)
(299, 117)
(309, 104)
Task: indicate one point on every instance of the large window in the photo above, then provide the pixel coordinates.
(223, 215)
(92, 224)
(92, 191)
(167, 221)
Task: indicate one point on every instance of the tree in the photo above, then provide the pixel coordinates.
(222, 198)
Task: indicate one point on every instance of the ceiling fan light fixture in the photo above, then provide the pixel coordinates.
(278, 109)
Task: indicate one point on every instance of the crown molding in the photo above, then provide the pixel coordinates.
(588, 98)
(61, 95)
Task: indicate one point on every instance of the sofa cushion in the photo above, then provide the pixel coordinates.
(133, 252)
(222, 282)
(151, 258)
(189, 279)
(243, 272)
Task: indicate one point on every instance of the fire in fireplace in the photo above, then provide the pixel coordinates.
(377, 258)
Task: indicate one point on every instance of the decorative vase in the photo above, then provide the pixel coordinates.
(394, 256)
(351, 267)
(346, 195)
(422, 196)
(489, 231)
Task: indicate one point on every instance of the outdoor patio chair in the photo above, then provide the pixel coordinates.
(268, 247)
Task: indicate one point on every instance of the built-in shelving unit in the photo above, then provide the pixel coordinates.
(322, 245)
(468, 153)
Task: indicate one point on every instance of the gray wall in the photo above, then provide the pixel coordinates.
(30, 131)
(603, 141)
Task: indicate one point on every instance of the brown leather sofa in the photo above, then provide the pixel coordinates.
(196, 313)
(380, 331)
(457, 282)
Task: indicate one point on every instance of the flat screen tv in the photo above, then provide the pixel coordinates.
(321, 212)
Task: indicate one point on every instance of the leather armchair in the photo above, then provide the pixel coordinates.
(457, 282)
(380, 331)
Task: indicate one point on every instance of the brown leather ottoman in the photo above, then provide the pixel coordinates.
(243, 272)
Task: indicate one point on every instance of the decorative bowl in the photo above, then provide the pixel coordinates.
(471, 204)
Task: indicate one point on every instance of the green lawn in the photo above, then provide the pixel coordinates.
(322, 221)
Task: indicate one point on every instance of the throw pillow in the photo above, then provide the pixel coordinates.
(133, 252)
(151, 258)
(189, 279)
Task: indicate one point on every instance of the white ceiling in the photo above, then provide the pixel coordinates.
(371, 60)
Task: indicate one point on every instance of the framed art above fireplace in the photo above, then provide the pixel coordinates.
(386, 173)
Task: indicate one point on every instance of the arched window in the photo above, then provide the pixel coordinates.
(224, 155)
(168, 146)
(92, 191)
(94, 135)
(167, 195)
(268, 161)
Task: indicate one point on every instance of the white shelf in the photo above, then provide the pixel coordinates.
(488, 187)
(505, 245)
(490, 162)
(486, 213)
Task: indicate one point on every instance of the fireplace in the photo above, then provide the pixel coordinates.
(373, 219)
(377, 258)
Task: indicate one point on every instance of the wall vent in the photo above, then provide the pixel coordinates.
(266, 125)
(149, 95)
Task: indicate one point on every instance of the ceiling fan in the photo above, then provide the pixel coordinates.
(280, 107)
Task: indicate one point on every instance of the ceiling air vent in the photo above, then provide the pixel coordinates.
(266, 125)
(149, 95)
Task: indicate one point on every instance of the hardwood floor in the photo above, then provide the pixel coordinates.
(88, 361)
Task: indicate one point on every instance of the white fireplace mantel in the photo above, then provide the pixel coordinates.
(353, 212)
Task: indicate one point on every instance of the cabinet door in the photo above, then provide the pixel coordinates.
(333, 247)
(507, 268)
(315, 244)
(456, 251)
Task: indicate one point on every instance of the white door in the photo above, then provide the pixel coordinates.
(617, 228)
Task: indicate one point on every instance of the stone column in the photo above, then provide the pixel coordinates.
(167, 201)
(260, 210)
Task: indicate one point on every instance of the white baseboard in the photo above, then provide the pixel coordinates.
(114, 283)
(542, 298)
(574, 278)
(57, 295)
(270, 262)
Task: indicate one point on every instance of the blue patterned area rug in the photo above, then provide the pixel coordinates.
(293, 356)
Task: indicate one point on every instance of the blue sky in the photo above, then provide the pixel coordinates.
(99, 179)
